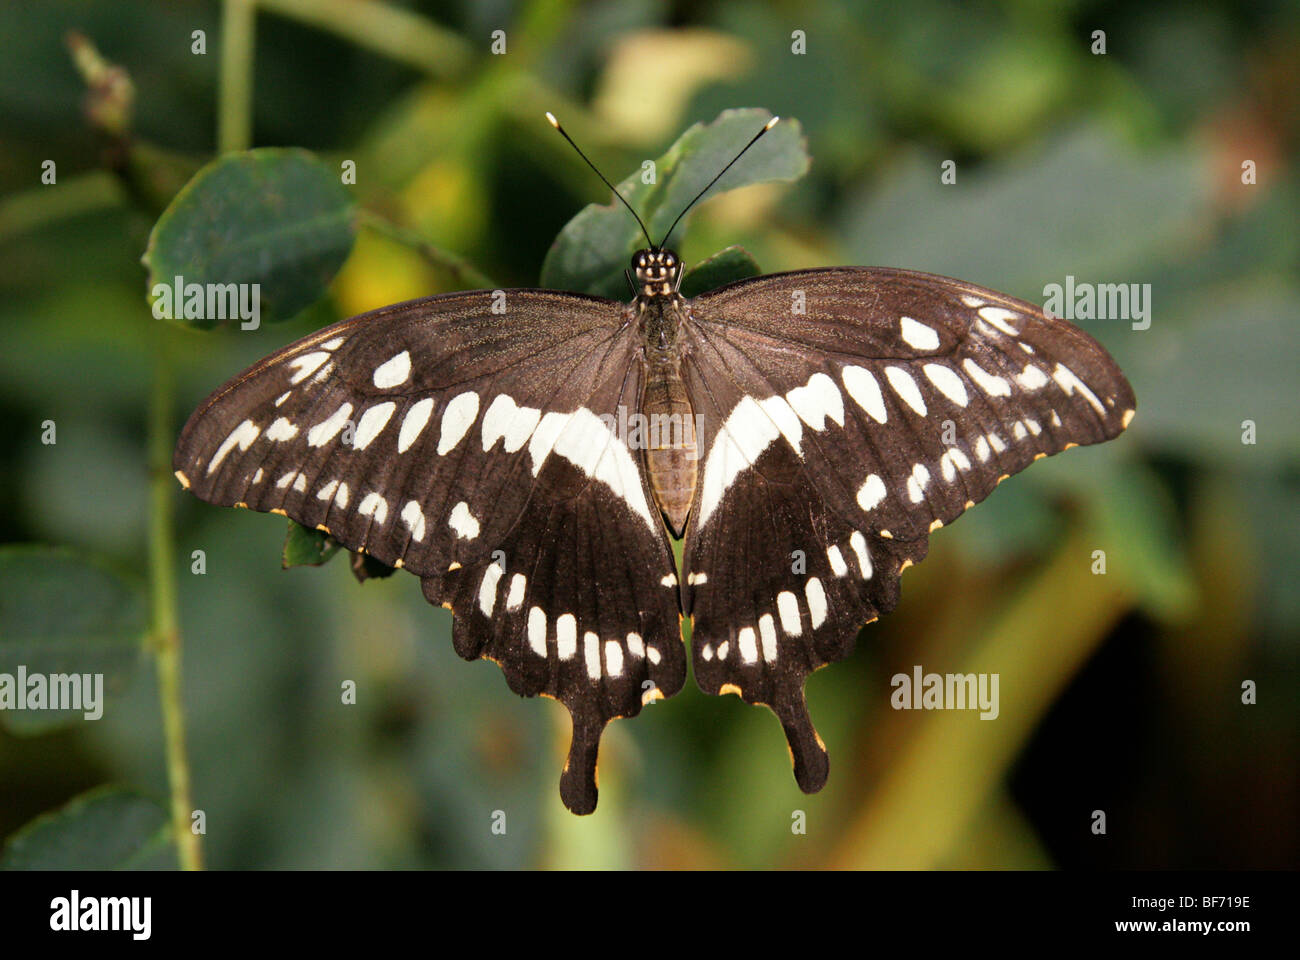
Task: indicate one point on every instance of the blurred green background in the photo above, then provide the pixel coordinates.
(1119, 692)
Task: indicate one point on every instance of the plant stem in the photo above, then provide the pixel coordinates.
(166, 637)
(235, 109)
(397, 34)
(464, 272)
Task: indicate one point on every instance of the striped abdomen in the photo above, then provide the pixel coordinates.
(670, 451)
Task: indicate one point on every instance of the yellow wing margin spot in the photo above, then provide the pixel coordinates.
(185, 481)
(727, 688)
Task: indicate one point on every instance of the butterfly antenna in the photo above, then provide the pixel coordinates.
(556, 124)
(766, 127)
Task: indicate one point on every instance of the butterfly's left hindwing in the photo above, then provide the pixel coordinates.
(843, 415)
(479, 450)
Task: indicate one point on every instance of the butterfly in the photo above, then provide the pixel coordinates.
(529, 454)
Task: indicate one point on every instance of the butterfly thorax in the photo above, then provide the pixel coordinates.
(667, 418)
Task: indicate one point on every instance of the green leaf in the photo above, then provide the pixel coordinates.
(726, 266)
(63, 614)
(307, 548)
(1009, 224)
(278, 218)
(595, 247)
(110, 828)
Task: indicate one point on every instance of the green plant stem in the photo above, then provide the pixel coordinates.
(78, 195)
(393, 32)
(166, 638)
(464, 272)
(235, 110)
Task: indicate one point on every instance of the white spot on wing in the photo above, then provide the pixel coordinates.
(982, 449)
(998, 317)
(917, 335)
(464, 523)
(917, 483)
(456, 420)
(584, 440)
(413, 423)
(281, 430)
(741, 439)
(243, 435)
(326, 430)
(787, 606)
(515, 599)
(613, 658)
(635, 646)
(859, 544)
(341, 498)
(947, 382)
(394, 372)
(953, 460)
(992, 385)
(504, 419)
(372, 422)
(333, 344)
(816, 401)
(816, 595)
(871, 493)
(1068, 382)
(906, 388)
(306, 365)
(536, 628)
(413, 517)
(566, 636)
(865, 391)
(1032, 378)
(375, 506)
(767, 634)
(748, 644)
(786, 420)
(591, 653)
(838, 566)
(487, 589)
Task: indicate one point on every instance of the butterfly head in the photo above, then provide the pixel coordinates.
(658, 272)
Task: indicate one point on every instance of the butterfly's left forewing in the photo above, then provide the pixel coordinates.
(473, 439)
(844, 414)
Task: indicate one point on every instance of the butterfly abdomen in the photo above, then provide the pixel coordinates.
(671, 454)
